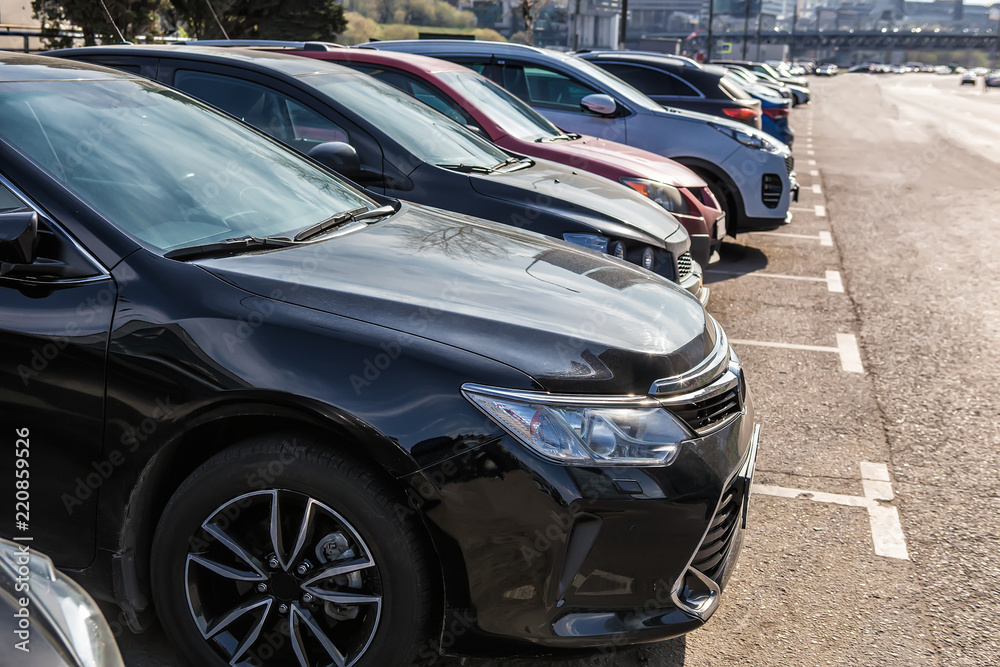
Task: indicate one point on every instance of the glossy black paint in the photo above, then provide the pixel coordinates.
(360, 342)
(546, 197)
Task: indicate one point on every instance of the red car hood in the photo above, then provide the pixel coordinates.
(615, 161)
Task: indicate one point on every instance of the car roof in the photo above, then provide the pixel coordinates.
(22, 67)
(465, 47)
(642, 56)
(269, 60)
(409, 62)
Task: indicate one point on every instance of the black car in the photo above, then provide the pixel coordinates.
(387, 141)
(678, 82)
(310, 424)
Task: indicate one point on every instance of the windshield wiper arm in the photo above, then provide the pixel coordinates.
(468, 168)
(229, 247)
(559, 137)
(343, 218)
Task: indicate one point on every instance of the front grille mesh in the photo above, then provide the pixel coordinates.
(721, 533)
(789, 164)
(704, 414)
(685, 266)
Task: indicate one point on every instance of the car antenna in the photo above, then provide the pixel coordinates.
(216, 17)
(115, 25)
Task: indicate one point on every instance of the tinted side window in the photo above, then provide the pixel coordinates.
(650, 81)
(268, 110)
(540, 86)
(415, 87)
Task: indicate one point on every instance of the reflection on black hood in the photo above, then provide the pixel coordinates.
(575, 320)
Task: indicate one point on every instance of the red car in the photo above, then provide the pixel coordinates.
(485, 107)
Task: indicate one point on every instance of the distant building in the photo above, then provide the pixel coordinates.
(14, 15)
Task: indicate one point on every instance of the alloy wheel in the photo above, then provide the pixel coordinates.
(277, 577)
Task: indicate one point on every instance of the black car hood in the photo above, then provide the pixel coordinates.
(574, 320)
(608, 206)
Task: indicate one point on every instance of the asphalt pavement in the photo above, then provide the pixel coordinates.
(869, 331)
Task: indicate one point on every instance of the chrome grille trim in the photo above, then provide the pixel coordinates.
(704, 373)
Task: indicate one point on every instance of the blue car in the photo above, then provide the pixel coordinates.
(774, 108)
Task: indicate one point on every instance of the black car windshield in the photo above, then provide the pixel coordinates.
(428, 134)
(511, 114)
(166, 169)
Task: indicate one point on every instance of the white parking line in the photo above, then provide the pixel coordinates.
(820, 210)
(847, 350)
(887, 531)
(812, 163)
(833, 282)
(832, 279)
(817, 189)
(784, 346)
(850, 355)
(810, 152)
(814, 172)
(824, 238)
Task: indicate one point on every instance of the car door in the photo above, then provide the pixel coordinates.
(557, 96)
(290, 116)
(54, 332)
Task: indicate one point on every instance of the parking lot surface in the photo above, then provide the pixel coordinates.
(869, 332)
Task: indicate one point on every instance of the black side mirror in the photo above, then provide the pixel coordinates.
(339, 156)
(18, 239)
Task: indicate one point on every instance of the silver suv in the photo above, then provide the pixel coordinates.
(750, 172)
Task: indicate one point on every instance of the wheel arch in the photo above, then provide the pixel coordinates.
(714, 175)
(214, 429)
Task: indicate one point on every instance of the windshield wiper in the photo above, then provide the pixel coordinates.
(468, 168)
(343, 218)
(559, 137)
(229, 247)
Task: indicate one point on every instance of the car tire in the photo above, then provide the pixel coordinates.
(277, 550)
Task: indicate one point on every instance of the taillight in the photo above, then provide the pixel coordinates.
(777, 113)
(742, 114)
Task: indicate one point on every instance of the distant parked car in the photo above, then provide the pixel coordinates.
(751, 173)
(798, 92)
(969, 78)
(680, 83)
(775, 108)
(828, 69)
(993, 79)
(383, 139)
(864, 69)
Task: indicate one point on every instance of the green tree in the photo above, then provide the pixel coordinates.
(305, 20)
(132, 17)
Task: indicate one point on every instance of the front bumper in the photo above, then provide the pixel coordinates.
(538, 554)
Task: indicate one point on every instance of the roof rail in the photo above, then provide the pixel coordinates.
(274, 43)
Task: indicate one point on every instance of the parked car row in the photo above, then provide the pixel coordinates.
(310, 337)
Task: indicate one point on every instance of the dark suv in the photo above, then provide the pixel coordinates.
(679, 82)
